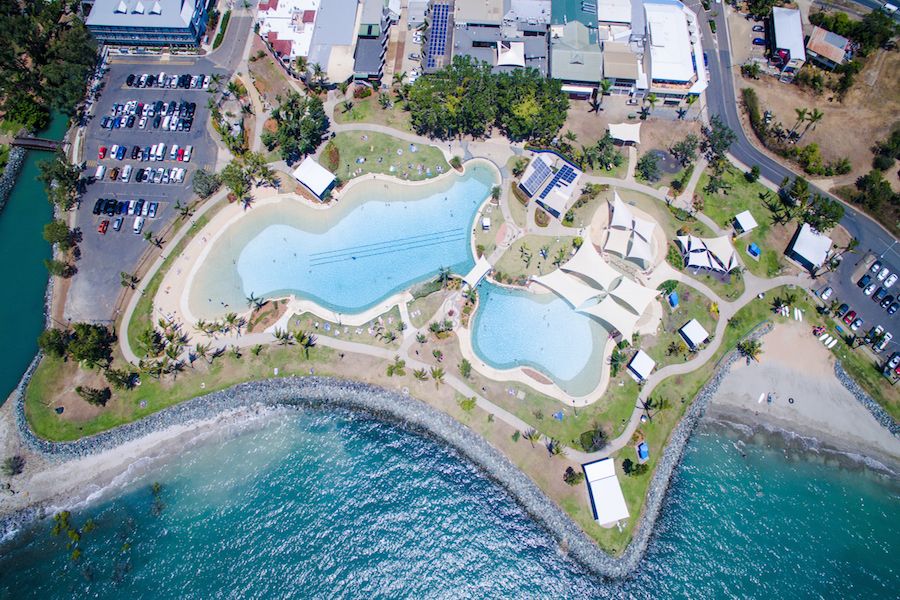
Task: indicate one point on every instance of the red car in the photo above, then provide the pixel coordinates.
(104, 225)
(101, 154)
(848, 318)
(181, 154)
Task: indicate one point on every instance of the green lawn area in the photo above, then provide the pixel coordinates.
(367, 110)
(380, 152)
(515, 263)
(486, 240)
(518, 210)
(10, 127)
(617, 172)
(380, 326)
(721, 207)
(692, 305)
(727, 291)
(583, 214)
(421, 310)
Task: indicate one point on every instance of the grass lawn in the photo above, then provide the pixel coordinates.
(583, 212)
(379, 327)
(270, 79)
(743, 195)
(367, 110)
(380, 154)
(421, 310)
(691, 305)
(517, 209)
(727, 291)
(486, 240)
(515, 263)
(616, 172)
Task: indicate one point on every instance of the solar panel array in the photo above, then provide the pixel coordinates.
(564, 176)
(437, 42)
(539, 176)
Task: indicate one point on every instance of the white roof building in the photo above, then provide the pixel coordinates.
(670, 44)
(551, 181)
(789, 32)
(745, 221)
(810, 247)
(614, 11)
(288, 25)
(314, 176)
(606, 493)
(693, 333)
(641, 366)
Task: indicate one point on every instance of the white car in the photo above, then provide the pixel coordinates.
(883, 274)
(826, 293)
(890, 281)
(126, 173)
(100, 172)
(173, 154)
(880, 346)
(142, 123)
(895, 360)
(187, 153)
(856, 325)
(138, 224)
(869, 289)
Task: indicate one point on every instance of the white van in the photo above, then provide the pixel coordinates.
(174, 152)
(161, 152)
(187, 153)
(165, 123)
(138, 224)
(100, 172)
(126, 173)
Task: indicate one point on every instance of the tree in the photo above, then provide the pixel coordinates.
(874, 191)
(652, 100)
(532, 435)
(465, 368)
(573, 477)
(95, 396)
(750, 348)
(302, 124)
(121, 379)
(823, 213)
(398, 367)
(594, 439)
(812, 120)
(61, 180)
(753, 174)
(648, 167)
(437, 374)
(686, 150)
(205, 184)
(58, 232)
(13, 465)
(236, 179)
(53, 342)
(91, 344)
(128, 280)
(717, 139)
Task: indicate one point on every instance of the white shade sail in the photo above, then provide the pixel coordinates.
(626, 132)
(570, 288)
(640, 249)
(644, 228)
(616, 315)
(634, 295)
(621, 217)
(588, 262)
(617, 241)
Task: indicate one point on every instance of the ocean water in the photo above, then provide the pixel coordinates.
(378, 240)
(22, 254)
(332, 504)
(515, 328)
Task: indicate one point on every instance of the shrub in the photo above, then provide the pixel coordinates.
(221, 35)
(205, 184)
(456, 163)
(467, 404)
(332, 157)
(362, 91)
(594, 439)
(883, 162)
(95, 396)
(573, 477)
(13, 465)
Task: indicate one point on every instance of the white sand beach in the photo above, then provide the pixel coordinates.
(795, 365)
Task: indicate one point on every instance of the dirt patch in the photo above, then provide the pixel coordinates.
(268, 77)
(536, 376)
(74, 407)
(271, 125)
(266, 316)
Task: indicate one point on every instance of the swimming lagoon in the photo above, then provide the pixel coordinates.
(516, 328)
(380, 238)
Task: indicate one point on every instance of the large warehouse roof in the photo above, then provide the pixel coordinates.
(670, 42)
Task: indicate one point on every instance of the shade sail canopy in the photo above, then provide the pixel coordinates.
(709, 253)
(570, 288)
(634, 295)
(617, 316)
(722, 252)
(626, 132)
(622, 216)
(617, 241)
(588, 262)
(640, 249)
(644, 228)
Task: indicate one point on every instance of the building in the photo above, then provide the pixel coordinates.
(607, 500)
(314, 177)
(744, 222)
(675, 63)
(551, 181)
(415, 13)
(576, 58)
(787, 51)
(641, 366)
(516, 39)
(287, 26)
(809, 247)
(826, 49)
(694, 334)
(372, 41)
(333, 44)
(438, 49)
(148, 22)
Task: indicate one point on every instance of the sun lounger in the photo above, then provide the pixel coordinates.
(831, 345)
(828, 340)
(823, 336)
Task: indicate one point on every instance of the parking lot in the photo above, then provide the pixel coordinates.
(845, 283)
(96, 286)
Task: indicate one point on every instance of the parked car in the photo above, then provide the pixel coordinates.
(187, 153)
(864, 281)
(893, 307)
(151, 212)
(856, 324)
(117, 224)
(879, 295)
(869, 289)
(842, 310)
(759, 41)
(101, 153)
(114, 174)
(874, 334)
(890, 280)
(138, 224)
(129, 81)
(826, 293)
(126, 173)
(120, 154)
(876, 266)
(888, 300)
(758, 28)
(104, 224)
(884, 342)
(100, 172)
(98, 206)
(883, 274)
(142, 123)
(848, 318)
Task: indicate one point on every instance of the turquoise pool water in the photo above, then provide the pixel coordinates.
(516, 328)
(337, 505)
(378, 240)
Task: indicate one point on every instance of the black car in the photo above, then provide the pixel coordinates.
(98, 206)
(129, 81)
(156, 121)
(104, 122)
(151, 81)
(187, 124)
(888, 300)
(130, 122)
(139, 207)
(879, 294)
(121, 208)
(158, 106)
(139, 175)
(866, 280)
(171, 108)
(134, 152)
(893, 307)
(110, 207)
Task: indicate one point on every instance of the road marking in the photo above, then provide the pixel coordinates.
(152, 61)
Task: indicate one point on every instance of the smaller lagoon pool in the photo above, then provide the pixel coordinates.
(515, 328)
(379, 239)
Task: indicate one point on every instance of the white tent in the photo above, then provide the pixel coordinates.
(510, 54)
(641, 365)
(699, 260)
(606, 493)
(617, 241)
(644, 228)
(722, 251)
(811, 247)
(314, 176)
(693, 333)
(640, 249)
(626, 132)
(745, 221)
(634, 295)
(481, 268)
(709, 253)
(616, 315)
(588, 262)
(621, 217)
(570, 288)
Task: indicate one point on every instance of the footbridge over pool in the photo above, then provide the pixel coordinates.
(36, 143)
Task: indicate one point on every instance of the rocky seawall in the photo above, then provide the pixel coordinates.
(881, 415)
(10, 172)
(413, 414)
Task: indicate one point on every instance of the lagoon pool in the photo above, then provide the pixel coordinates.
(515, 328)
(379, 239)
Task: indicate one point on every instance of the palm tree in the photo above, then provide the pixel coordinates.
(318, 74)
(570, 135)
(605, 86)
(151, 239)
(801, 117)
(652, 100)
(308, 341)
(790, 298)
(256, 349)
(128, 280)
(348, 106)
(343, 86)
(235, 352)
(399, 77)
(532, 435)
(283, 336)
(398, 367)
(420, 374)
(202, 351)
(444, 276)
(814, 117)
(253, 301)
(777, 305)
(437, 373)
(750, 348)
(555, 447)
(300, 65)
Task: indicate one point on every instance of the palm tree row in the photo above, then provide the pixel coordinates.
(229, 322)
